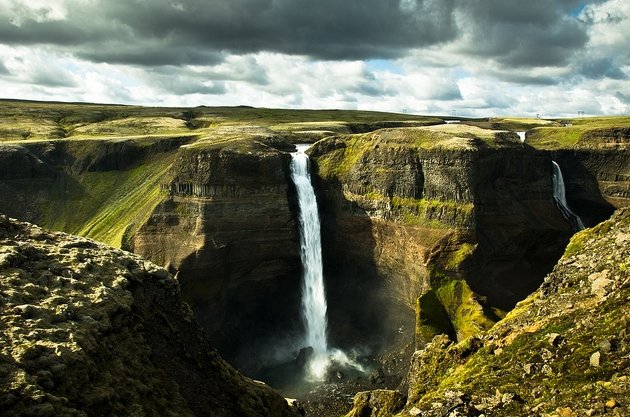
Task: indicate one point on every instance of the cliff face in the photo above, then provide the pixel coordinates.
(594, 156)
(426, 229)
(226, 227)
(561, 352)
(412, 211)
(100, 188)
(598, 180)
(91, 330)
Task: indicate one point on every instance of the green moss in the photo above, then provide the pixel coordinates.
(577, 241)
(576, 132)
(452, 308)
(433, 213)
(555, 137)
(129, 206)
(339, 162)
(464, 310)
(431, 319)
(103, 205)
(455, 259)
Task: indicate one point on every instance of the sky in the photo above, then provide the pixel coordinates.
(482, 58)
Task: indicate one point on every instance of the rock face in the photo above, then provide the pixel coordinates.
(91, 330)
(377, 403)
(228, 230)
(561, 352)
(426, 229)
(414, 211)
(100, 188)
(598, 180)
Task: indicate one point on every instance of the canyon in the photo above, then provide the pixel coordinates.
(428, 228)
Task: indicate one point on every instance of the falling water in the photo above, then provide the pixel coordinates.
(559, 195)
(313, 293)
(521, 136)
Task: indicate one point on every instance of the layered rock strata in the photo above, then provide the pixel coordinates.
(228, 230)
(465, 216)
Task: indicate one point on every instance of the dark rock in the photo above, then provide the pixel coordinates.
(378, 403)
(131, 350)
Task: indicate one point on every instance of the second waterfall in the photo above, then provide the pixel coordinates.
(313, 292)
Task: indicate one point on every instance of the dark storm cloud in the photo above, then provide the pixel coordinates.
(533, 33)
(151, 55)
(524, 78)
(162, 32)
(624, 98)
(171, 79)
(602, 68)
(326, 29)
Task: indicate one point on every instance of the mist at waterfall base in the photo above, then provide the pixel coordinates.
(318, 356)
(559, 196)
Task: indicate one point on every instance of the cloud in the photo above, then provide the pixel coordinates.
(326, 29)
(623, 98)
(475, 57)
(163, 32)
(536, 33)
(600, 68)
(172, 80)
(3, 69)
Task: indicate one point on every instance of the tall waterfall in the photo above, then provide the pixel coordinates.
(313, 293)
(559, 195)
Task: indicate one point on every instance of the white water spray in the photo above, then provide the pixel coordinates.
(521, 136)
(559, 195)
(313, 292)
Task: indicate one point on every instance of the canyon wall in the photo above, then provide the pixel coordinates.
(425, 229)
(227, 229)
(444, 230)
(562, 351)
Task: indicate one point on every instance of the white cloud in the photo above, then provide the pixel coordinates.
(433, 80)
(37, 10)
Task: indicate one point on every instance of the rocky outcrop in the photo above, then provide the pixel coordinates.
(563, 351)
(377, 403)
(91, 330)
(228, 230)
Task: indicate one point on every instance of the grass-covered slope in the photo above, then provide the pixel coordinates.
(103, 189)
(29, 120)
(586, 133)
(563, 351)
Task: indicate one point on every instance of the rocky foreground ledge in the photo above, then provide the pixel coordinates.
(562, 352)
(87, 330)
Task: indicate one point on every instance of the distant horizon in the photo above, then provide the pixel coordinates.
(443, 116)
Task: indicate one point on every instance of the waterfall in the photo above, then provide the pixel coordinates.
(559, 195)
(313, 293)
(521, 136)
